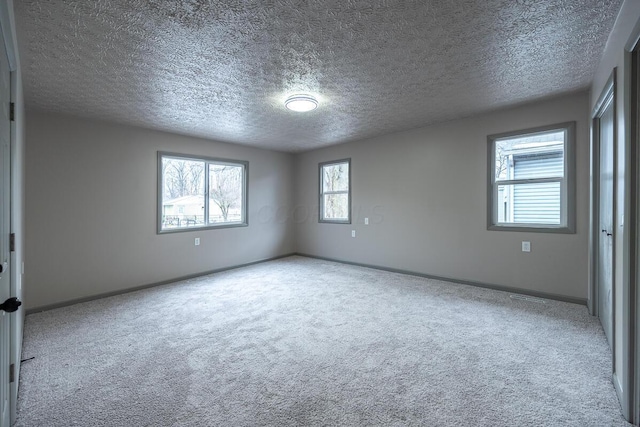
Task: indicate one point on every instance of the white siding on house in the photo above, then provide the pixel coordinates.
(538, 166)
(539, 202)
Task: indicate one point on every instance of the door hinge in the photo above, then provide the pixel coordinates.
(12, 242)
(12, 372)
(12, 111)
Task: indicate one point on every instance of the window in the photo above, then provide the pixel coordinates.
(531, 180)
(335, 192)
(198, 192)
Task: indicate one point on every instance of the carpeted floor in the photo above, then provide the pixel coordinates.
(304, 342)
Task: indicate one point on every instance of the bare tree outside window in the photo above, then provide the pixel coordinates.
(182, 178)
(200, 192)
(225, 191)
(183, 201)
(503, 152)
(335, 192)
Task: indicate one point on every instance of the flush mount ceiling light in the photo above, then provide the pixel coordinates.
(301, 103)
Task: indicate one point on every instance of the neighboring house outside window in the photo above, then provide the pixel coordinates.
(531, 185)
(335, 192)
(200, 192)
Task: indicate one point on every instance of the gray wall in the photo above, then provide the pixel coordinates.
(91, 206)
(425, 192)
(91, 210)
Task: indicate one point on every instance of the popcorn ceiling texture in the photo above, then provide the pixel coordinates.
(222, 70)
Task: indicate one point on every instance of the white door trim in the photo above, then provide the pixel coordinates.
(632, 117)
(7, 27)
(607, 97)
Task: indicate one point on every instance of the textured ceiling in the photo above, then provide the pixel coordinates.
(222, 69)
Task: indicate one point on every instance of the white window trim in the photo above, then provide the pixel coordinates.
(207, 161)
(322, 193)
(567, 182)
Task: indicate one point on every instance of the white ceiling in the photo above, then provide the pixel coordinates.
(222, 69)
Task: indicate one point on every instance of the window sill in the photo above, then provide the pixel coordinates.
(201, 228)
(328, 221)
(530, 228)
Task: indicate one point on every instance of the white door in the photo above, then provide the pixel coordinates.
(5, 286)
(605, 240)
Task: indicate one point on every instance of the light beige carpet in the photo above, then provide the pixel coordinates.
(303, 342)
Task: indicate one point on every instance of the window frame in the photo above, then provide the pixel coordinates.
(567, 182)
(207, 161)
(321, 218)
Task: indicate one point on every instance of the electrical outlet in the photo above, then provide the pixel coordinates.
(526, 246)
(353, 233)
(197, 241)
(366, 221)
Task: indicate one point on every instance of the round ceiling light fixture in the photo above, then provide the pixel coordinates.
(301, 103)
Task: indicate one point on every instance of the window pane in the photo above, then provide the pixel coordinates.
(225, 193)
(336, 207)
(182, 193)
(335, 177)
(537, 203)
(529, 157)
